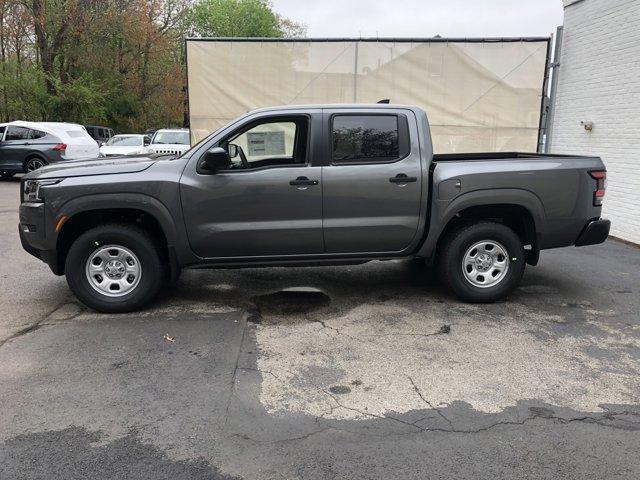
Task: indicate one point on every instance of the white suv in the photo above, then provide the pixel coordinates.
(168, 141)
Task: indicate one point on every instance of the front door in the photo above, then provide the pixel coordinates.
(373, 183)
(267, 202)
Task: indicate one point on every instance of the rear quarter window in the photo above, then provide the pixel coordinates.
(37, 134)
(76, 133)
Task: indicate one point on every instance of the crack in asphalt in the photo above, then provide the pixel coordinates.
(338, 331)
(39, 323)
(424, 399)
(444, 330)
(235, 373)
(420, 430)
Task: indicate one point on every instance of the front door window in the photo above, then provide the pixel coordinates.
(269, 144)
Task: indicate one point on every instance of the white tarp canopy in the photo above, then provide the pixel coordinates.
(480, 95)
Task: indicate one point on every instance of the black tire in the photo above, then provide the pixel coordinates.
(454, 248)
(130, 237)
(34, 160)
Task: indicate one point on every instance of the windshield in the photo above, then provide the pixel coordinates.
(119, 141)
(181, 138)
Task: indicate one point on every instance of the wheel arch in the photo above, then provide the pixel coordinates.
(83, 213)
(520, 210)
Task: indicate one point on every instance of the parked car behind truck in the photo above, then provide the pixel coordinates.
(319, 185)
(127, 144)
(170, 141)
(100, 134)
(27, 146)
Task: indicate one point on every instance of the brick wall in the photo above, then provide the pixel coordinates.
(599, 81)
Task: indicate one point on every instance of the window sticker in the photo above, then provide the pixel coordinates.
(266, 143)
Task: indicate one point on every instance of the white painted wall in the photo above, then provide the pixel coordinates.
(599, 81)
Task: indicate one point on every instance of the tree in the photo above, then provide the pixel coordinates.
(113, 62)
(238, 18)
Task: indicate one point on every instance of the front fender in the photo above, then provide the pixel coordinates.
(128, 201)
(443, 211)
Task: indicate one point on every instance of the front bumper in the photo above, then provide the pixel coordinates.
(33, 235)
(596, 231)
(50, 257)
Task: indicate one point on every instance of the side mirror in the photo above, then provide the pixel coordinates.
(214, 160)
(147, 141)
(233, 150)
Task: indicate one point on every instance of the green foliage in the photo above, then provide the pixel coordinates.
(79, 100)
(117, 63)
(233, 18)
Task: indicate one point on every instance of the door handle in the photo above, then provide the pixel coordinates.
(401, 178)
(302, 182)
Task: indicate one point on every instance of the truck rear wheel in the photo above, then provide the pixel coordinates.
(482, 262)
(114, 268)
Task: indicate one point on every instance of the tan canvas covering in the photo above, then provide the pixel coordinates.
(480, 96)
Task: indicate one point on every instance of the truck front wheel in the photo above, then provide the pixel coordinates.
(482, 262)
(114, 268)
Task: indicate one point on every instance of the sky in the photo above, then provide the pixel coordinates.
(424, 18)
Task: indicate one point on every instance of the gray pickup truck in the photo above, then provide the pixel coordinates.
(300, 186)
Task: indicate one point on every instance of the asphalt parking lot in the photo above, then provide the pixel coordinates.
(372, 371)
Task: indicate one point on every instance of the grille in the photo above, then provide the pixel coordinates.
(167, 151)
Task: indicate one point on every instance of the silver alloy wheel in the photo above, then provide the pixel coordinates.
(485, 264)
(113, 271)
(34, 164)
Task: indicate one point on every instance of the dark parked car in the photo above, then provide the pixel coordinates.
(330, 185)
(99, 134)
(27, 146)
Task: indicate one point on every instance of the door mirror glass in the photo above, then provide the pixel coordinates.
(214, 160)
(233, 150)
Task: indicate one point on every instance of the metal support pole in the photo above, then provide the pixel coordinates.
(544, 102)
(355, 75)
(555, 68)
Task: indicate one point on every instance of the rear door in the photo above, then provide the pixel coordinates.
(372, 185)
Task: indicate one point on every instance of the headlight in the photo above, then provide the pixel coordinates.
(31, 191)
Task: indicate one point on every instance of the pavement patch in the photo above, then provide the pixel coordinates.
(490, 360)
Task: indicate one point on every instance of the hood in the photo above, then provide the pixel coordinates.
(99, 166)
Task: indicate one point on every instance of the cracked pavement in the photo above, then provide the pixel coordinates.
(370, 371)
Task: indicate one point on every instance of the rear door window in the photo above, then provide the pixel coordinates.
(367, 138)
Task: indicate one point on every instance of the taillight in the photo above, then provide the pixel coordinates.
(600, 176)
(60, 147)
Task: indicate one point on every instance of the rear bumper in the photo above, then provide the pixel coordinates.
(596, 231)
